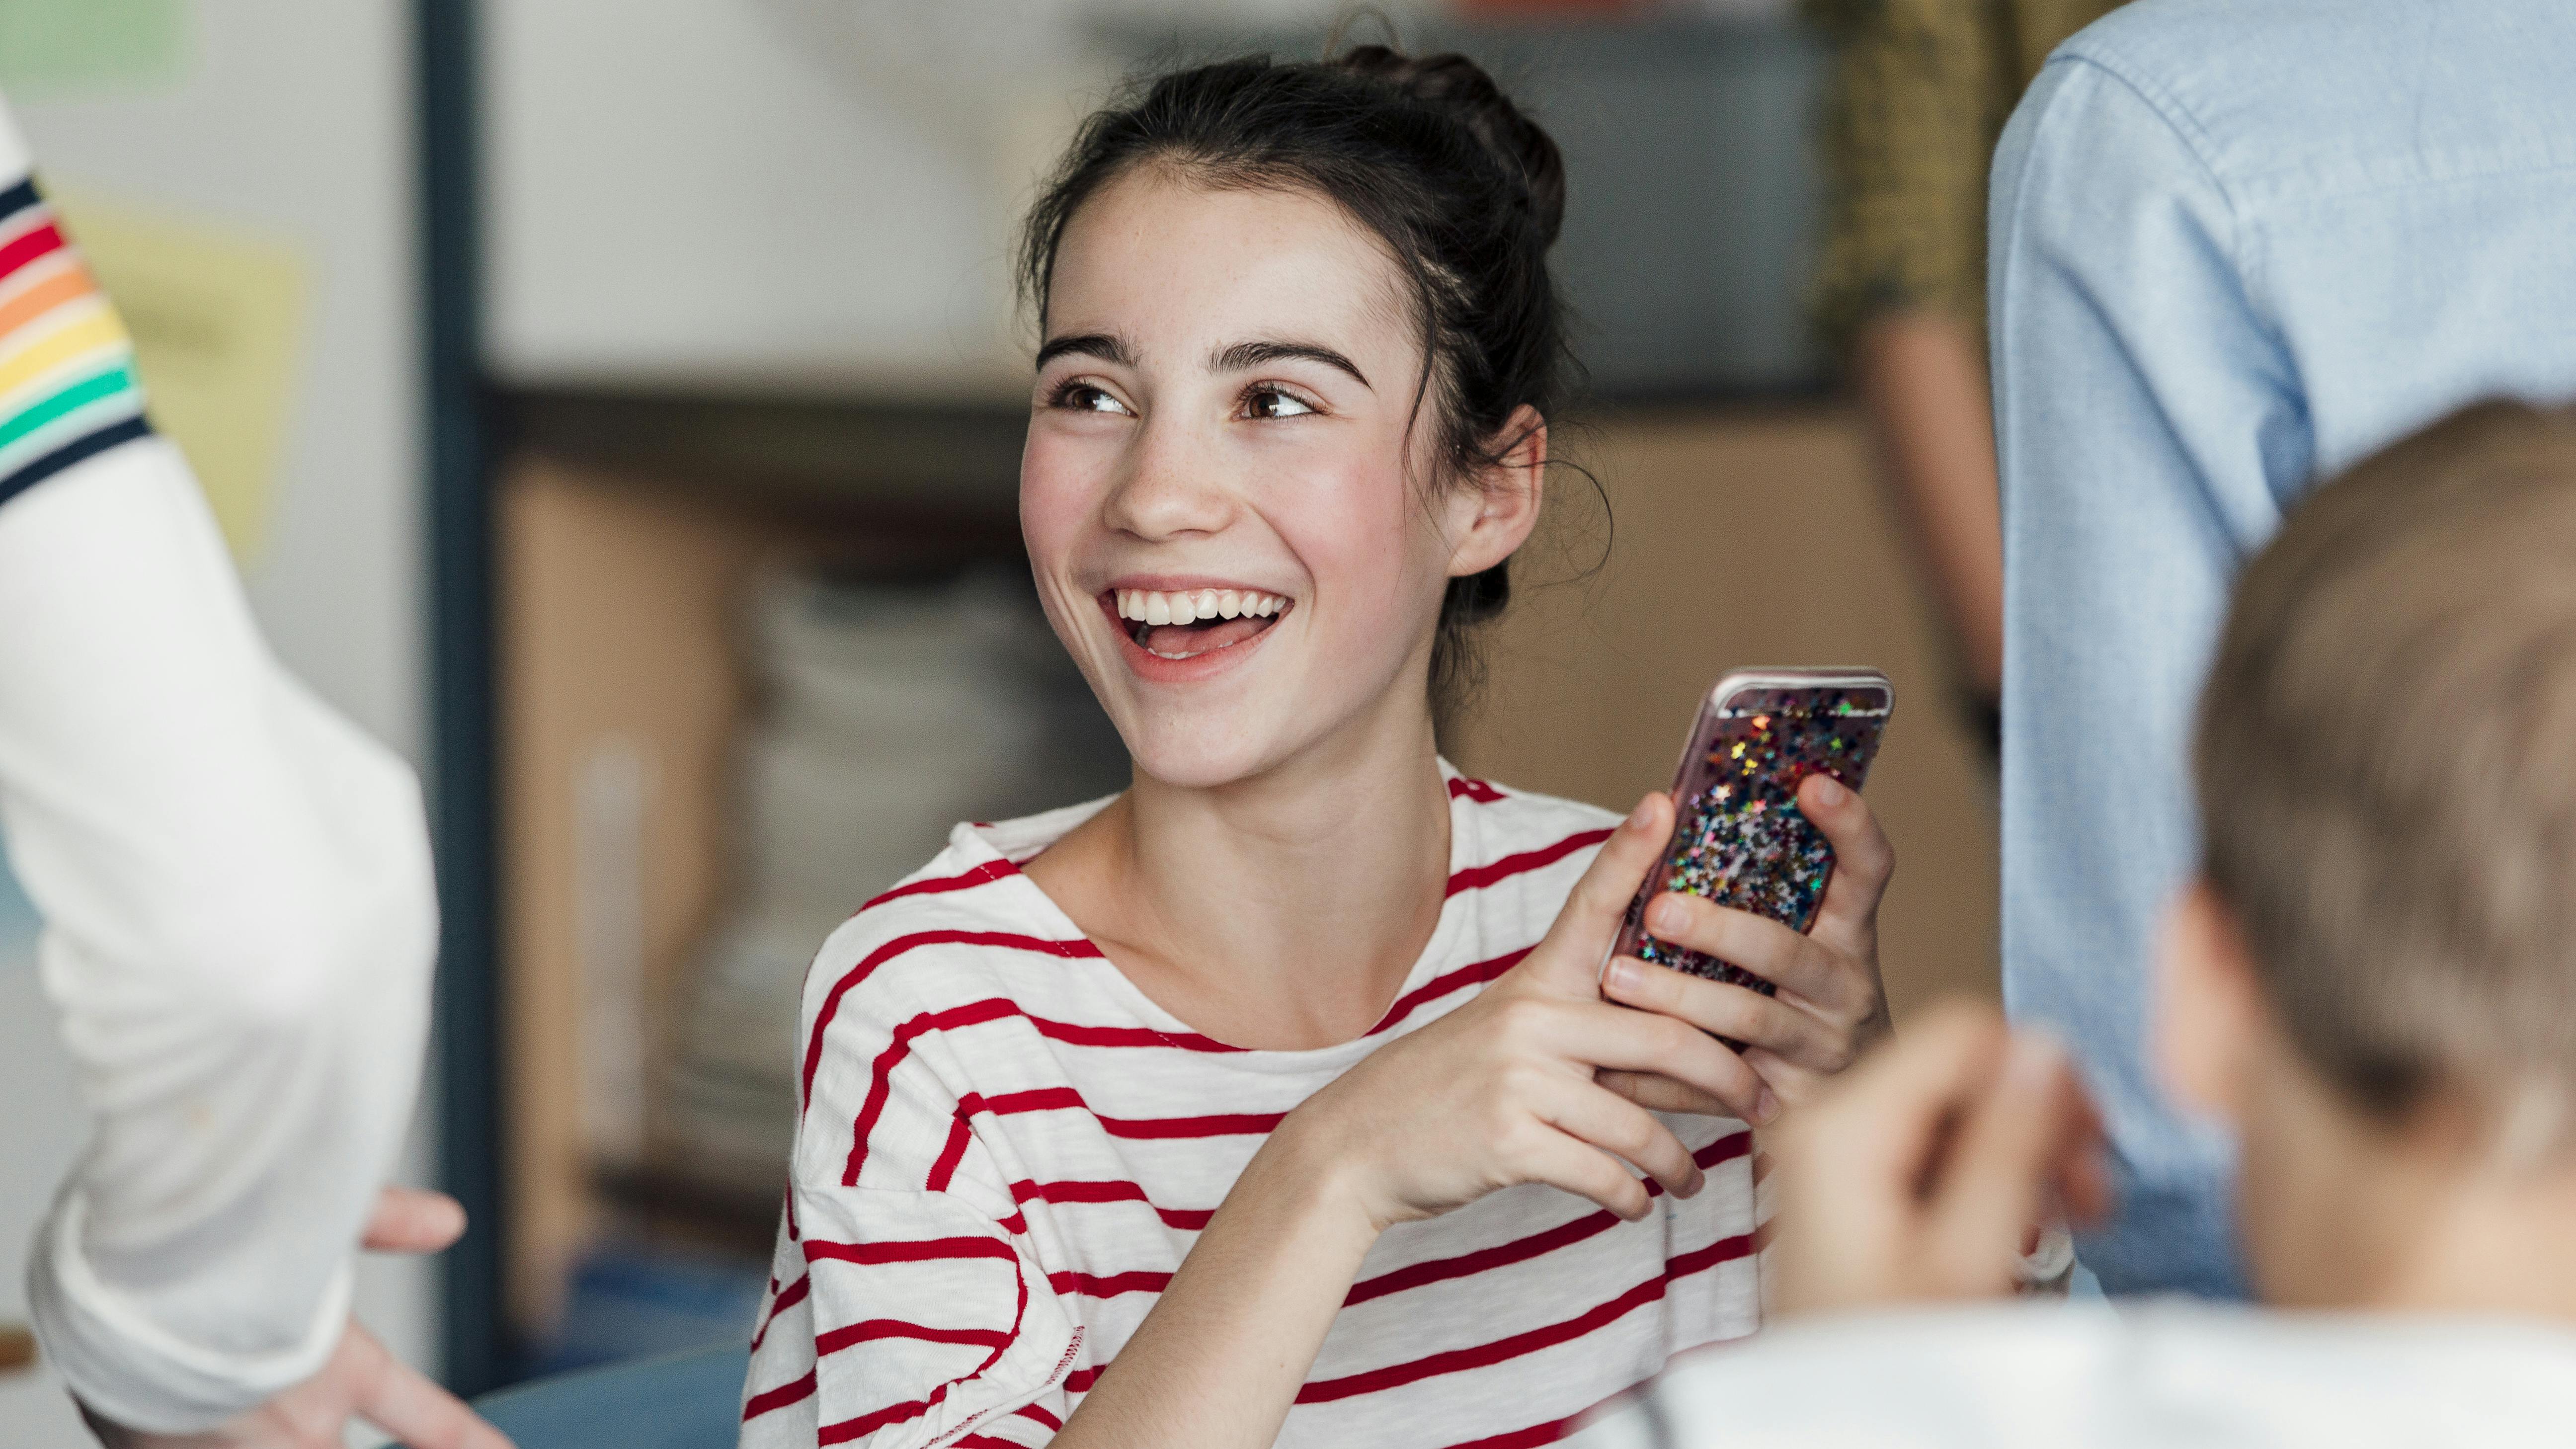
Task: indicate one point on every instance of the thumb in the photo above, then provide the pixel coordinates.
(1569, 959)
(412, 1220)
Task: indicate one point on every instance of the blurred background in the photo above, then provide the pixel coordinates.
(616, 405)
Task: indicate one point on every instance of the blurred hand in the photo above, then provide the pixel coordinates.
(1830, 1004)
(361, 1380)
(1918, 1176)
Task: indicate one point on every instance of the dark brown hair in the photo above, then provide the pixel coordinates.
(2387, 767)
(1466, 192)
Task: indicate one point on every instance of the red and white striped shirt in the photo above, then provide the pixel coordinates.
(1006, 1149)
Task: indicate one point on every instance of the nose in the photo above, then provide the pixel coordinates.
(1169, 488)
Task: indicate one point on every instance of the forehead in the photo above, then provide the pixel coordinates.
(1163, 260)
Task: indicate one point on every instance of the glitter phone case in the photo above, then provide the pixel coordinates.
(1739, 838)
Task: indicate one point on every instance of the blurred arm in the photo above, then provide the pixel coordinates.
(235, 886)
(2148, 427)
(1922, 376)
(1917, 89)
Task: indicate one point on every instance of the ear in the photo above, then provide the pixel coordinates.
(1492, 517)
(2212, 1021)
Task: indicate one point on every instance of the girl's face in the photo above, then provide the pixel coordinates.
(1228, 522)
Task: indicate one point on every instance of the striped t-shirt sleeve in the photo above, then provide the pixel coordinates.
(68, 389)
(912, 1271)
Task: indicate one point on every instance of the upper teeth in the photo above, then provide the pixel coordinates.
(1189, 605)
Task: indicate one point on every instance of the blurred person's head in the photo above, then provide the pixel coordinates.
(2374, 979)
(1298, 348)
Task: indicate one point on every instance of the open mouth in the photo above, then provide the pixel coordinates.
(1186, 623)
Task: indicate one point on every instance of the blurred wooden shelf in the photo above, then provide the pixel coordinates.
(669, 1201)
(953, 464)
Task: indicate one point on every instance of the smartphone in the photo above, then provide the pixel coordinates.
(1739, 838)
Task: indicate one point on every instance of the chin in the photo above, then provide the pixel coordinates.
(1199, 764)
(1199, 750)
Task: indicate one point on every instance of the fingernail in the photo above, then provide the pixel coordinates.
(1637, 817)
(1622, 977)
(1829, 791)
(1666, 916)
(1766, 1107)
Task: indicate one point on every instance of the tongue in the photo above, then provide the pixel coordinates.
(1188, 639)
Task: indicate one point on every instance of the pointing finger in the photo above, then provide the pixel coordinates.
(412, 1220)
(2009, 1149)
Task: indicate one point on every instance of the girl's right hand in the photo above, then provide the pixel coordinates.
(1501, 1091)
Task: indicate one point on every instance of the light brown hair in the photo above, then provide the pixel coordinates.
(2387, 765)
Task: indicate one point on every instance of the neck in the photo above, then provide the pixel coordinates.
(2493, 1247)
(2439, 1214)
(1280, 911)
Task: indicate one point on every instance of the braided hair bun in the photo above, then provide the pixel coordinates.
(1460, 86)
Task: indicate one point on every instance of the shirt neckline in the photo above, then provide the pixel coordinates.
(1014, 841)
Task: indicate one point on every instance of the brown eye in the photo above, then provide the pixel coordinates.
(1270, 402)
(1082, 397)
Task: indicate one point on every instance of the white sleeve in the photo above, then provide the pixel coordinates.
(235, 884)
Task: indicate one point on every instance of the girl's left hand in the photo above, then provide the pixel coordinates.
(1831, 1003)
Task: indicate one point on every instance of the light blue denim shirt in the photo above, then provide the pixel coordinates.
(2236, 244)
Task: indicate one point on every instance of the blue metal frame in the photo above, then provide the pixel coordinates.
(463, 729)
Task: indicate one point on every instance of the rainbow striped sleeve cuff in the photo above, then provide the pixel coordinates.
(67, 384)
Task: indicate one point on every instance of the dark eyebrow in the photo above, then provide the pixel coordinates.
(1243, 355)
(1107, 346)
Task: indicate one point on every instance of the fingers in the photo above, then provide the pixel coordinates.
(1569, 1165)
(2084, 1188)
(1570, 958)
(1887, 1118)
(1658, 1093)
(1787, 959)
(399, 1399)
(1599, 1034)
(1614, 1124)
(412, 1220)
(1723, 1009)
(1864, 861)
(1852, 1165)
(2008, 1154)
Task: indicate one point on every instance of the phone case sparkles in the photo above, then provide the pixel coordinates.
(1740, 839)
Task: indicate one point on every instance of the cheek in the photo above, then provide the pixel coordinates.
(1060, 483)
(1360, 531)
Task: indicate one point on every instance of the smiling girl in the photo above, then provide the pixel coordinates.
(1277, 1099)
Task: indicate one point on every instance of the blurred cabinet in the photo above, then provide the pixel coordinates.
(629, 530)
(619, 692)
